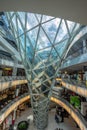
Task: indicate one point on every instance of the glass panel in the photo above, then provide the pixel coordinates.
(46, 18)
(45, 88)
(32, 35)
(39, 70)
(50, 71)
(22, 38)
(37, 61)
(44, 54)
(54, 53)
(20, 28)
(38, 16)
(43, 41)
(53, 56)
(14, 22)
(51, 28)
(11, 13)
(22, 52)
(77, 27)
(62, 34)
(22, 17)
(31, 21)
(61, 46)
(70, 25)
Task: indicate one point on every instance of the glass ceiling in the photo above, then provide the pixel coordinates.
(42, 41)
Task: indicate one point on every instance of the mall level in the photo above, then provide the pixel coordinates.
(43, 72)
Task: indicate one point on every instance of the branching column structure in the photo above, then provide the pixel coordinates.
(42, 42)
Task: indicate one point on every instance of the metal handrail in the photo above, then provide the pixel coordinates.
(75, 82)
(54, 95)
(11, 78)
(72, 108)
(12, 102)
(5, 58)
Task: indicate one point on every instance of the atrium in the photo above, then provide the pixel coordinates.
(43, 68)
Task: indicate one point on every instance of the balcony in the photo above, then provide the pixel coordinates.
(9, 81)
(75, 86)
(75, 61)
(75, 114)
(12, 105)
(8, 62)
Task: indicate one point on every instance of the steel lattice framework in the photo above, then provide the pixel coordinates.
(42, 41)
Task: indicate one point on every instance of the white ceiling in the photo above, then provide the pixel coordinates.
(74, 10)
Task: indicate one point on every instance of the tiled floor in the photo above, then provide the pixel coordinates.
(68, 123)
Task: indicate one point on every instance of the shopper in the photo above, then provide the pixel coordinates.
(56, 118)
(11, 127)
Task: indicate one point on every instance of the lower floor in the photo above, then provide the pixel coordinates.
(68, 123)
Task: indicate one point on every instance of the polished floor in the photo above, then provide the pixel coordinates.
(68, 123)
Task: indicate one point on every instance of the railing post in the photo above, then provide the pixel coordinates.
(84, 46)
(0, 72)
(14, 73)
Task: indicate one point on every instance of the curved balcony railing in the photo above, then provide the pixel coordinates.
(80, 35)
(12, 105)
(11, 78)
(5, 58)
(78, 59)
(9, 62)
(10, 48)
(75, 114)
(57, 91)
(75, 60)
(78, 83)
(55, 98)
(76, 86)
(9, 81)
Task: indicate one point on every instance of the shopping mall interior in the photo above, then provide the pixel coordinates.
(43, 65)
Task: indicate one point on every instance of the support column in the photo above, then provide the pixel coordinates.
(0, 72)
(17, 92)
(40, 113)
(86, 78)
(14, 73)
(84, 46)
(5, 123)
(13, 117)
